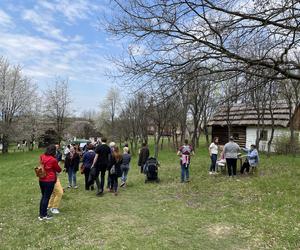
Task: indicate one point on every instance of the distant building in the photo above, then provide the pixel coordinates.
(243, 121)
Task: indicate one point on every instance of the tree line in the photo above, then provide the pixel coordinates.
(187, 58)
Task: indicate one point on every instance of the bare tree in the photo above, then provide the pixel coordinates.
(57, 100)
(110, 108)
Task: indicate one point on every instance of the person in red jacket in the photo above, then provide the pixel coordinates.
(47, 183)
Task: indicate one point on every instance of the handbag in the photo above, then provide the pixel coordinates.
(112, 170)
(40, 171)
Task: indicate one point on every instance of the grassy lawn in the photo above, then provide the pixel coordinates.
(210, 212)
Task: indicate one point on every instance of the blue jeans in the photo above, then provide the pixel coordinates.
(213, 162)
(72, 176)
(46, 190)
(125, 170)
(185, 174)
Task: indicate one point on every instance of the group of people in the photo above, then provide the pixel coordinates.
(97, 160)
(229, 155)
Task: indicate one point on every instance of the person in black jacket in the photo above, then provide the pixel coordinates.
(115, 170)
(143, 156)
(101, 163)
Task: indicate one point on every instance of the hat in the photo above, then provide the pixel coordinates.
(112, 144)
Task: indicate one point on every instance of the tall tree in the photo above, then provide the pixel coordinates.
(16, 96)
(57, 105)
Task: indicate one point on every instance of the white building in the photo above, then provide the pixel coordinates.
(244, 121)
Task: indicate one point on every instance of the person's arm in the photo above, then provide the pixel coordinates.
(94, 161)
(56, 167)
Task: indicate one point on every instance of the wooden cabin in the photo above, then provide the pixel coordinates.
(243, 120)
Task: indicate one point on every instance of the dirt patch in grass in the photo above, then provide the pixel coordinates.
(220, 231)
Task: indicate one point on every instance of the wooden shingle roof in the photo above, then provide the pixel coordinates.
(242, 114)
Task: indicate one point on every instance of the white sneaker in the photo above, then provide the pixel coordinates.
(76, 187)
(54, 211)
(210, 172)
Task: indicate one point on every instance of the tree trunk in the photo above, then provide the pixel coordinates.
(270, 141)
(5, 143)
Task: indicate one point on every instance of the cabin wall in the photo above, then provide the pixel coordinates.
(263, 145)
(239, 132)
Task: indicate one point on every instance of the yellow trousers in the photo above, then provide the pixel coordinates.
(56, 195)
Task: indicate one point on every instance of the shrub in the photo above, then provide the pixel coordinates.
(284, 145)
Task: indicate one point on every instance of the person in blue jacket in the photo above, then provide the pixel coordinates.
(251, 160)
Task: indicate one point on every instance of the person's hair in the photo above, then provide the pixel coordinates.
(117, 154)
(104, 139)
(69, 146)
(90, 146)
(144, 144)
(51, 150)
(126, 145)
(215, 138)
(231, 138)
(253, 145)
(125, 150)
(186, 141)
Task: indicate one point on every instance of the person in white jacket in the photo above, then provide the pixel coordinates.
(213, 153)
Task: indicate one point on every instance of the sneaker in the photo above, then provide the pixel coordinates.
(99, 193)
(122, 184)
(69, 186)
(54, 210)
(92, 188)
(48, 217)
(210, 172)
(75, 186)
(115, 193)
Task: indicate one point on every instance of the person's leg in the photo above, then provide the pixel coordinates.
(211, 164)
(115, 183)
(228, 161)
(112, 182)
(247, 167)
(187, 172)
(124, 174)
(234, 161)
(42, 187)
(58, 193)
(70, 171)
(74, 178)
(182, 172)
(97, 180)
(102, 180)
(214, 162)
(86, 178)
(48, 189)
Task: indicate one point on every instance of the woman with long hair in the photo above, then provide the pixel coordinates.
(115, 170)
(74, 167)
(213, 153)
(51, 167)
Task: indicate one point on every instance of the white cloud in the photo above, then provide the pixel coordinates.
(72, 10)
(43, 23)
(5, 19)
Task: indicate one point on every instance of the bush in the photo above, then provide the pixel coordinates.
(284, 145)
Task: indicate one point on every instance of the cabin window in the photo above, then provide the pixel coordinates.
(264, 135)
(235, 136)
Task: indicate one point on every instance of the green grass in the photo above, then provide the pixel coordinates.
(210, 212)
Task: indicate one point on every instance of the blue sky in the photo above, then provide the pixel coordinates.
(60, 38)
